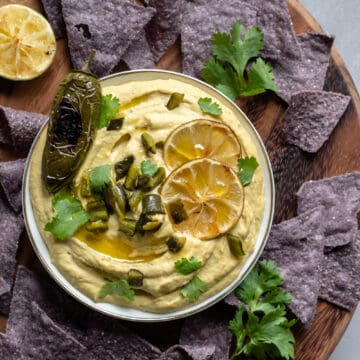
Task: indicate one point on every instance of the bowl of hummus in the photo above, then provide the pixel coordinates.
(169, 207)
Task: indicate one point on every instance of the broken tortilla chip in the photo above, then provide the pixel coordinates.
(53, 13)
(297, 247)
(8, 350)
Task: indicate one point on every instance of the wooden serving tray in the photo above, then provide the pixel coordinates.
(291, 166)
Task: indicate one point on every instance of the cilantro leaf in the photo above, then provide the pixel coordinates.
(207, 106)
(187, 266)
(109, 109)
(231, 68)
(69, 216)
(120, 287)
(148, 168)
(194, 288)
(261, 328)
(247, 167)
(99, 177)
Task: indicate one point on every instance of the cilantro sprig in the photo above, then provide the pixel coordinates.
(235, 67)
(187, 266)
(68, 217)
(193, 289)
(208, 106)
(261, 328)
(109, 109)
(148, 168)
(120, 288)
(99, 177)
(247, 167)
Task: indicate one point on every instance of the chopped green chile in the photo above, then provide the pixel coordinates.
(116, 199)
(85, 190)
(152, 225)
(122, 167)
(127, 226)
(97, 226)
(175, 244)
(115, 124)
(174, 100)
(141, 181)
(151, 204)
(95, 205)
(99, 214)
(131, 176)
(135, 199)
(235, 245)
(142, 221)
(177, 211)
(148, 143)
(156, 180)
(160, 144)
(135, 278)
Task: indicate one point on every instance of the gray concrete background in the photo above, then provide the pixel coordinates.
(342, 18)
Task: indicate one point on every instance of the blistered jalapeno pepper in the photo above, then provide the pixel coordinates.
(72, 123)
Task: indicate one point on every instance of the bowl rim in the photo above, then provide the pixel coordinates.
(160, 317)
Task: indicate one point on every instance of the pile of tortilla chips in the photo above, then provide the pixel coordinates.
(318, 251)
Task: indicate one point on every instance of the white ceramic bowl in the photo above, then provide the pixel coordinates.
(133, 314)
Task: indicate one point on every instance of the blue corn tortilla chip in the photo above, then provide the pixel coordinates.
(308, 71)
(312, 116)
(180, 352)
(200, 21)
(340, 280)
(107, 338)
(108, 27)
(11, 173)
(139, 55)
(233, 300)
(53, 13)
(8, 350)
(297, 246)
(340, 198)
(11, 226)
(206, 330)
(18, 128)
(279, 37)
(164, 28)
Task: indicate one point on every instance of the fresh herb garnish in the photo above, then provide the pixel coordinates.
(148, 168)
(109, 109)
(187, 266)
(120, 287)
(261, 328)
(194, 288)
(69, 216)
(99, 177)
(229, 69)
(247, 167)
(207, 106)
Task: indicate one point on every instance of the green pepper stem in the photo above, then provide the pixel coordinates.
(86, 67)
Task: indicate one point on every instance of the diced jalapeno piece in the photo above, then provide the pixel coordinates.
(143, 219)
(152, 225)
(99, 214)
(95, 205)
(177, 211)
(160, 144)
(85, 190)
(97, 226)
(235, 245)
(134, 199)
(148, 142)
(116, 199)
(156, 180)
(127, 226)
(175, 244)
(130, 177)
(175, 100)
(135, 278)
(115, 124)
(122, 167)
(141, 181)
(151, 204)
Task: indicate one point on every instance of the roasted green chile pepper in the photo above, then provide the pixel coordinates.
(72, 123)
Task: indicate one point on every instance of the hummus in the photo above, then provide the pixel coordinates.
(89, 260)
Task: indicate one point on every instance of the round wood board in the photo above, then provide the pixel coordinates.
(291, 166)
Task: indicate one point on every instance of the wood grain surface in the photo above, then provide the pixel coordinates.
(291, 166)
